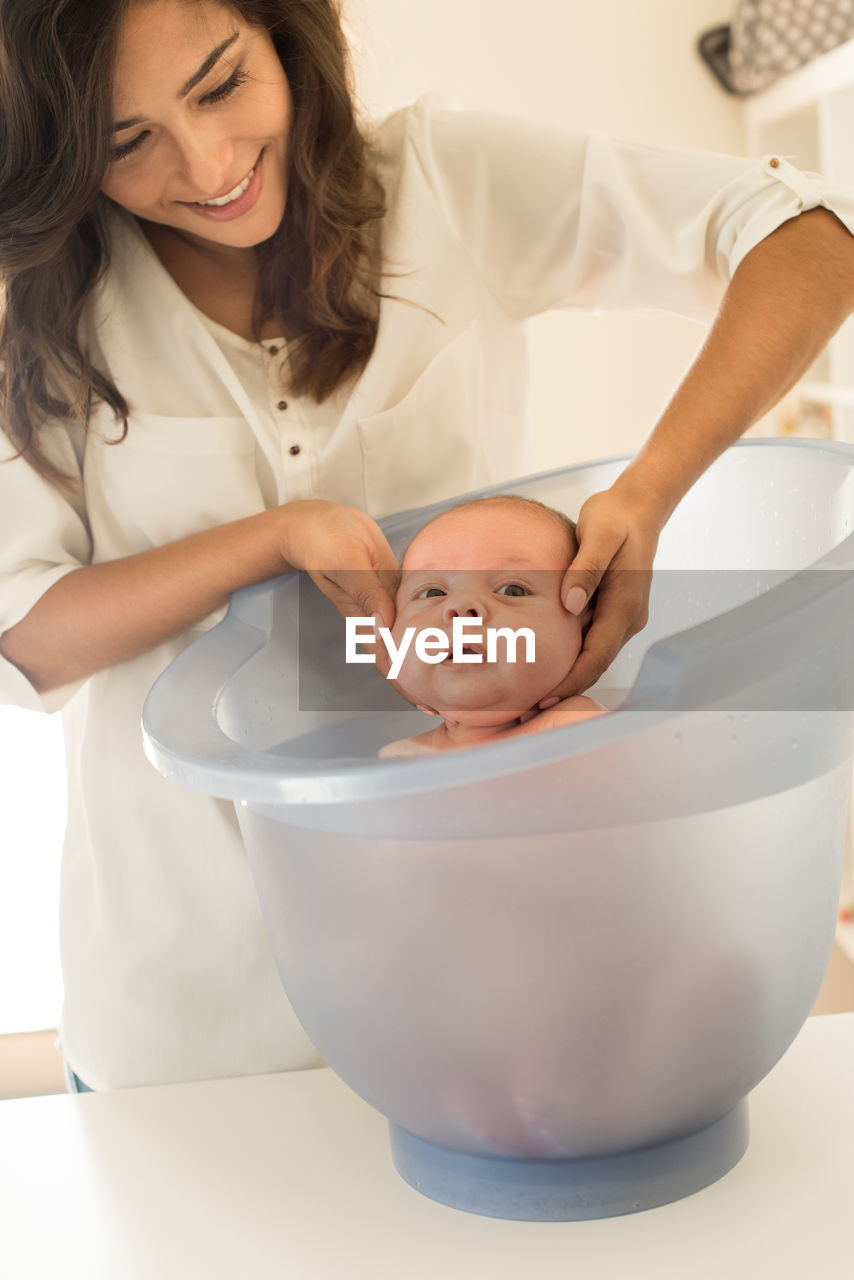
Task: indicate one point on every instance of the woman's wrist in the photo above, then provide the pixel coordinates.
(292, 536)
(651, 495)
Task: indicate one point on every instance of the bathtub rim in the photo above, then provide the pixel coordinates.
(211, 762)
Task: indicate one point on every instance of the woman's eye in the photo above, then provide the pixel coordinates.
(223, 91)
(128, 148)
(512, 589)
(429, 592)
(227, 88)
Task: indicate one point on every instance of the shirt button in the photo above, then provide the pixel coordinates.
(283, 404)
(774, 162)
(294, 450)
(274, 351)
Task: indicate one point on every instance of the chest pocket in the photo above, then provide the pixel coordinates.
(168, 478)
(430, 445)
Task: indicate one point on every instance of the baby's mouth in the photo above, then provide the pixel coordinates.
(466, 649)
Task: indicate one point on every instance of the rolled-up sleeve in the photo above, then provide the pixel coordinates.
(554, 218)
(43, 536)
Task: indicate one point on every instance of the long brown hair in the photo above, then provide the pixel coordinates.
(320, 271)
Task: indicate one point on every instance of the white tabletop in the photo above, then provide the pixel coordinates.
(291, 1176)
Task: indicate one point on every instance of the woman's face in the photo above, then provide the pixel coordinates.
(203, 113)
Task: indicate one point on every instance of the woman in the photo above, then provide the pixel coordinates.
(237, 328)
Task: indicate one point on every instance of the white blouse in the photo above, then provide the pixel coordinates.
(168, 974)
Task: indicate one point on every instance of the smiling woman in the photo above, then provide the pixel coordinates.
(166, 108)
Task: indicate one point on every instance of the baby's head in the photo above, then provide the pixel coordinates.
(500, 559)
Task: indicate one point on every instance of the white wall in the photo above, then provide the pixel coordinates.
(624, 66)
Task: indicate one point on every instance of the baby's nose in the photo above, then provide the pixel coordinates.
(459, 608)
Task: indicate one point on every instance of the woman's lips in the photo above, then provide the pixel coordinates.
(235, 208)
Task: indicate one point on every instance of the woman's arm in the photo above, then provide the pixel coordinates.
(786, 300)
(103, 614)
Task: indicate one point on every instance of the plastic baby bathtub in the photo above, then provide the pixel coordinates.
(559, 964)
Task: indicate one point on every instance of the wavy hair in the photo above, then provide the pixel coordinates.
(319, 272)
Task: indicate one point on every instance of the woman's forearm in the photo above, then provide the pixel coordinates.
(103, 614)
(786, 300)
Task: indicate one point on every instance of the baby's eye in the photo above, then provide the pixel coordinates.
(512, 589)
(428, 592)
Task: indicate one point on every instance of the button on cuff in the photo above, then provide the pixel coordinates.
(800, 184)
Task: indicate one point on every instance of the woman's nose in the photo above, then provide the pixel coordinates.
(203, 160)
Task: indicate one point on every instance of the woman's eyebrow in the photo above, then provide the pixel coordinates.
(210, 61)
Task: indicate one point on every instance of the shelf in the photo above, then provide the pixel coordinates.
(826, 393)
(804, 87)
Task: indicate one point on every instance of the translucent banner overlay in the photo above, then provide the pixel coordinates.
(733, 640)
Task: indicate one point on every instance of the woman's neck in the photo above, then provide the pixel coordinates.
(220, 280)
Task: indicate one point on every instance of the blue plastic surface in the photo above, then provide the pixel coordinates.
(572, 1190)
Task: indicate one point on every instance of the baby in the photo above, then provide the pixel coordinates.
(502, 560)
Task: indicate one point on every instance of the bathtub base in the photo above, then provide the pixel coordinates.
(572, 1190)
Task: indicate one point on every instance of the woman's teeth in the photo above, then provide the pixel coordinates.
(231, 195)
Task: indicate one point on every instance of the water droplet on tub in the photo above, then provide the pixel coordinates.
(677, 737)
(734, 738)
(794, 744)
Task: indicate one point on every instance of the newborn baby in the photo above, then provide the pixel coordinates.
(502, 560)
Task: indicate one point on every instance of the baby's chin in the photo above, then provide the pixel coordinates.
(474, 715)
(482, 718)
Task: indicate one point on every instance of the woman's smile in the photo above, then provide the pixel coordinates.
(235, 202)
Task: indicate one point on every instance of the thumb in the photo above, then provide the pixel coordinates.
(376, 596)
(362, 593)
(597, 546)
(580, 581)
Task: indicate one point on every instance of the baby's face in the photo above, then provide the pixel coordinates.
(505, 566)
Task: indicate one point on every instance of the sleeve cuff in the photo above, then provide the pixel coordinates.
(810, 191)
(15, 688)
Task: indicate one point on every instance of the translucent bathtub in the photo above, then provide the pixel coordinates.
(559, 964)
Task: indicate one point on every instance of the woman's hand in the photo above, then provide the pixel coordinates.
(617, 538)
(346, 555)
(106, 613)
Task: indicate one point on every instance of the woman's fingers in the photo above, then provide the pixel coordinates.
(603, 530)
(621, 611)
(612, 571)
(348, 558)
(360, 593)
(346, 554)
